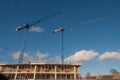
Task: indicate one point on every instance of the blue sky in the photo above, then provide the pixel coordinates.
(91, 34)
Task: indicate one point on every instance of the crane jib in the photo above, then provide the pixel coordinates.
(45, 18)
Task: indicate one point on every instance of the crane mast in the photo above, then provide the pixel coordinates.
(20, 60)
(62, 42)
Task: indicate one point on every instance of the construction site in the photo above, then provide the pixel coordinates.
(40, 71)
(88, 34)
(46, 71)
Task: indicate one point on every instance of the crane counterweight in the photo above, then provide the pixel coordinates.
(26, 26)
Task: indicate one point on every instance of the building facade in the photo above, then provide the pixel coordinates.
(41, 71)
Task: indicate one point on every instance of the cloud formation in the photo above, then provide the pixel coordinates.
(36, 29)
(16, 55)
(37, 57)
(110, 55)
(81, 56)
(77, 58)
(55, 59)
(41, 57)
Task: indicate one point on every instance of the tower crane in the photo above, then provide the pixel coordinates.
(62, 42)
(71, 28)
(27, 26)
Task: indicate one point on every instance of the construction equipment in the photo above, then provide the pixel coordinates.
(62, 42)
(27, 26)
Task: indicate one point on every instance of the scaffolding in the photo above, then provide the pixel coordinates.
(40, 71)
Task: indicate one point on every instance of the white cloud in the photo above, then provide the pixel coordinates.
(110, 55)
(37, 57)
(41, 57)
(78, 57)
(16, 55)
(81, 56)
(55, 59)
(28, 57)
(36, 29)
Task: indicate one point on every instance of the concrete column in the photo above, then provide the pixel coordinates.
(34, 72)
(16, 72)
(74, 73)
(0, 68)
(55, 72)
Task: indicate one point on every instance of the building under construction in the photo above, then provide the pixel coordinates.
(40, 71)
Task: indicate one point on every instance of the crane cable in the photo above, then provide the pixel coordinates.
(4, 47)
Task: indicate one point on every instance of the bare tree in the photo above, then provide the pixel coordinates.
(87, 75)
(114, 71)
